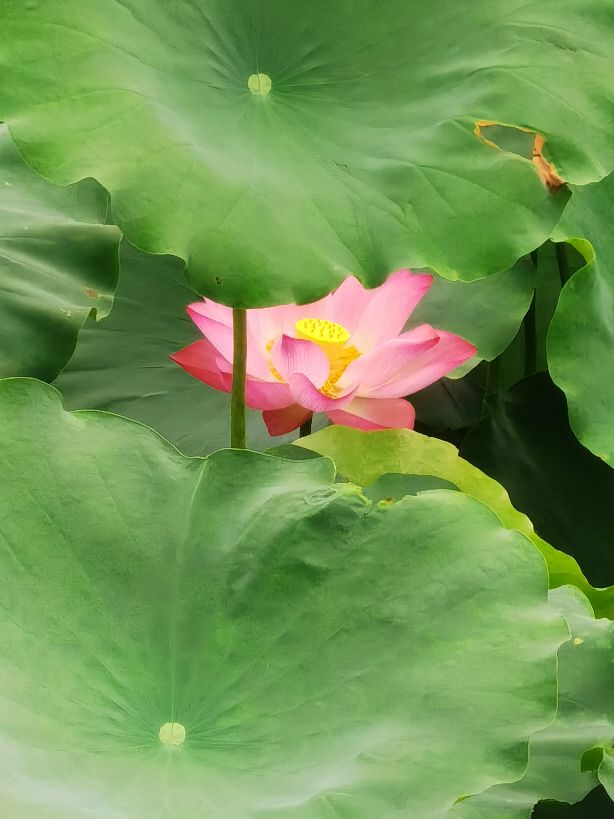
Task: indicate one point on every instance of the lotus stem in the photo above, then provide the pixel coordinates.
(530, 340)
(306, 428)
(239, 361)
(491, 384)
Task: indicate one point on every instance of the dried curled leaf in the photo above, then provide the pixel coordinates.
(545, 169)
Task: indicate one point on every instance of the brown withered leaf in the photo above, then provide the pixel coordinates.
(485, 129)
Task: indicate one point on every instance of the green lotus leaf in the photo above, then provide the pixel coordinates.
(122, 363)
(527, 445)
(239, 636)
(58, 264)
(581, 335)
(559, 756)
(277, 147)
(363, 457)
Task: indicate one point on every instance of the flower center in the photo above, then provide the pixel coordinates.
(321, 331)
(331, 337)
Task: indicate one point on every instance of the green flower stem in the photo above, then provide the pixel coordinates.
(239, 359)
(305, 428)
(530, 330)
(491, 385)
(530, 340)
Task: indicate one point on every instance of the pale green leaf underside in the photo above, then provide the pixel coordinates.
(58, 262)
(325, 656)
(363, 457)
(585, 721)
(361, 158)
(581, 335)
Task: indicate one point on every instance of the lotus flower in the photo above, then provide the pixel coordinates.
(345, 355)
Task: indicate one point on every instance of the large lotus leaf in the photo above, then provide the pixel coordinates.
(241, 637)
(581, 335)
(58, 263)
(278, 146)
(363, 457)
(527, 445)
(122, 363)
(559, 756)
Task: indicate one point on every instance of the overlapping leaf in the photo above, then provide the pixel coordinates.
(569, 757)
(581, 335)
(320, 658)
(364, 457)
(58, 263)
(277, 147)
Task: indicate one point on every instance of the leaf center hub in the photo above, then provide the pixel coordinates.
(259, 84)
(172, 734)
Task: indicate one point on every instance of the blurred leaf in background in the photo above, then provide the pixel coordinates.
(527, 445)
(58, 264)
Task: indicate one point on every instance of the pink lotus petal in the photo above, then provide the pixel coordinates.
(374, 413)
(200, 359)
(296, 355)
(210, 309)
(384, 363)
(221, 336)
(282, 421)
(267, 324)
(267, 395)
(398, 368)
(308, 395)
(218, 333)
(389, 306)
(346, 305)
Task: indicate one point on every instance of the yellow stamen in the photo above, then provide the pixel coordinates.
(338, 366)
(330, 337)
(321, 331)
(269, 347)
